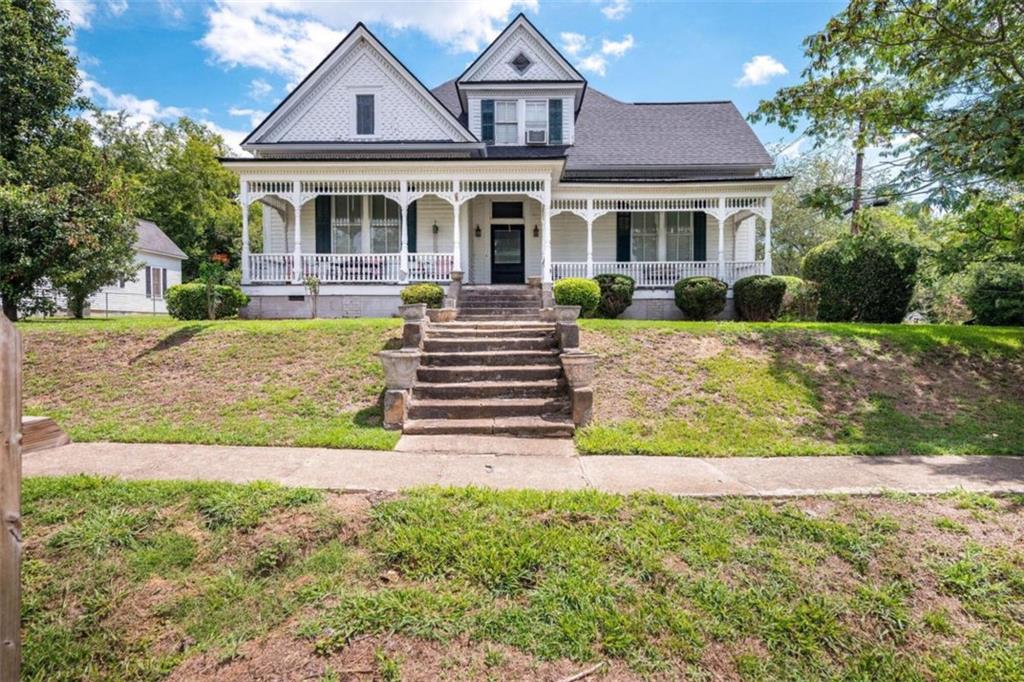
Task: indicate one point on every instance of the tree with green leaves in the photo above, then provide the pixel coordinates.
(65, 216)
(937, 84)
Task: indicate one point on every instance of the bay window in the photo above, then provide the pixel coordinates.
(385, 225)
(506, 122)
(679, 236)
(347, 225)
(644, 230)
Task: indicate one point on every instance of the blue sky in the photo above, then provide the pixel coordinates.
(226, 63)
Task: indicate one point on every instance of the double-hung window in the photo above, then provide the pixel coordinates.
(385, 226)
(506, 122)
(644, 229)
(537, 119)
(679, 235)
(347, 225)
(156, 282)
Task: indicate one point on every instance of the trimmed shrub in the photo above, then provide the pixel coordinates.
(578, 291)
(800, 302)
(758, 298)
(427, 292)
(616, 294)
(863, 278)
(995, 293)
(188, 301)
(700, 298)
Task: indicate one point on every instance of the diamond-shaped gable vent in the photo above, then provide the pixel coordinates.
(521, 63)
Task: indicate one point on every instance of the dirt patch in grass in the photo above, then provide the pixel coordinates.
(664, 391)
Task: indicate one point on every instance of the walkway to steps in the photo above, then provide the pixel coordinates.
(495, 370)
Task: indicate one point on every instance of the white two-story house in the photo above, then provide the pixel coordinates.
(515, 169)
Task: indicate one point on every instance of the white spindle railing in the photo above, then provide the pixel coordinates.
(270, 267)
(351, 267)
(662, 275)
(430, 267)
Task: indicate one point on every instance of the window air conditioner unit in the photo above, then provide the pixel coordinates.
(536, 136)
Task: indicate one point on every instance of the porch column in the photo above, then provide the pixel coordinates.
(456, 230)
(297, 274)
(590, 238)
(246, 276)
(545, 232)
(768, 237)
(403, 257)
(721, 237)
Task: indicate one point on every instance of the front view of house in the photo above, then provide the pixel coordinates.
(516, 169)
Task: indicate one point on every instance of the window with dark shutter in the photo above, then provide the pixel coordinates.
(623, 237)
(149, 282)
(410, 221)
(554, 121)
(364, 115)
(323, 223)
(487, 121)
(700, 236)
(163, 283)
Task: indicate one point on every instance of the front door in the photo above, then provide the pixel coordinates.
(508, 254)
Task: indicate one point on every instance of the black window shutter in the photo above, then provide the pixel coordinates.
(410, 221)
(364, 114)
(323, 223)
(623, 223)
(555, 121)
(163, 282)
(487, 120)
(700, 235)
(149, 281)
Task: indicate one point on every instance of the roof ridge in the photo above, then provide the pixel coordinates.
(682, 102)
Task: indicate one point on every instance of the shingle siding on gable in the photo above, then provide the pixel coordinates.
(498, 67)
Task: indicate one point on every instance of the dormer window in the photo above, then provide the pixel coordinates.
(537, 121)
(365, 115)
(506, 122)
(521, 63)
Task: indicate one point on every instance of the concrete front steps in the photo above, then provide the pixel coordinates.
(494, 371)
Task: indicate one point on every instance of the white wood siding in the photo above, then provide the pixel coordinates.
(131, 298)
(568, 115)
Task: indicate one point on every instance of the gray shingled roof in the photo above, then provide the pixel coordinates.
(616, 136)
(152, 239)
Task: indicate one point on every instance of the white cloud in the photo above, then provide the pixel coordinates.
(117, 7)
(290, 37)
(233, 138)
(761, 69)
(616, 9)
(617, 49)
(573, 43)
(259, 88)
(171, 9)
(256, 116)
(79, 12)
(595, 63)
(139, 110)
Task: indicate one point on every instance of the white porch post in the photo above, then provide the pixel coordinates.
(403, 238)
(721, 237)
(545, 232)
(768, 237)
(456, 229)
(590, 238)
(297, 270)
(246, 276)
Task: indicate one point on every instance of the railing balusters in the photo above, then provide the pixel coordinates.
(662, 274)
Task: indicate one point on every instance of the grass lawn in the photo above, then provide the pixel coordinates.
(231, 382)
(198, 581)
(722, 389)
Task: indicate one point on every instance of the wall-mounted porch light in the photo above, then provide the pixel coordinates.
(536, 231)
(434, 228)
(477, 231)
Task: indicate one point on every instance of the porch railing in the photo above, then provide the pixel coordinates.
(350, 268)
(662, 274)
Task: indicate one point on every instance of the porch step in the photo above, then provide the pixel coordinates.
(490, 407)
(465, 332)
(482, 343)
(473, 373)
(552, 426)
(474, 306)
(470, 358)
(494, 316)
(545, 388)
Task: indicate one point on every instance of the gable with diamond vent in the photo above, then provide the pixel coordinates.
(520, 53)
(322, 109)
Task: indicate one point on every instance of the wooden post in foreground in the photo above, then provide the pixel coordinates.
(10, 501)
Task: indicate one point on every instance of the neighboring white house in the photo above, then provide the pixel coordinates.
(516, 168)
(159, 261)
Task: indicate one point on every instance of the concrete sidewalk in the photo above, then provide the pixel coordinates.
(362, 470)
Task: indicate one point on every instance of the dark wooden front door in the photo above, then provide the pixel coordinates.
(508, 254)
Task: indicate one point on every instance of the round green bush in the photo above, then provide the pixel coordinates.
(428, 292)
(995, 293)
(867, 277)
(188, 301)
(578, 291)
(616, 294)
(800, 302)
(758, 298)
(701, 298)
